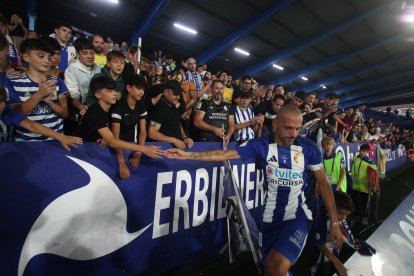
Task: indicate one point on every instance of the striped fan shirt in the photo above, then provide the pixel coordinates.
(242, 116)
(20, 89)
(287, 169)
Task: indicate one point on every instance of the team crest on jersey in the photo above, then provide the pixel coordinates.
(27, 94)
(225, 108)
(297, 157)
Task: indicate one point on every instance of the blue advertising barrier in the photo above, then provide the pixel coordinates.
(68, 213)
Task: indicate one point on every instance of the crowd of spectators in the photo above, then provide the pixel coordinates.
(50, 80)
(58, 87)
(210, 106)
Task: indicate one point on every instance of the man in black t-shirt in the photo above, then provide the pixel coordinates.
(214, 117)
(269, 110)
(165, 119)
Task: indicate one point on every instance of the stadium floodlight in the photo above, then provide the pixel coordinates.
(241, 51)
(278, 67)
(304, 78)
(185, 28)
(113, 1)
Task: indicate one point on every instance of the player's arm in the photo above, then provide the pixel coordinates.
(327, 196)
(214, 155)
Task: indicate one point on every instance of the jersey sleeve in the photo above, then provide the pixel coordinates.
(62, 87)
(12, 97)
(201, 106)
(143, 114)
(315, 157)
(158, 116)
(12, 117)
(231, 110)
(252, 149)
(116, 115)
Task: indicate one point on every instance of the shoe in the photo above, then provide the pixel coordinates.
(364, 221)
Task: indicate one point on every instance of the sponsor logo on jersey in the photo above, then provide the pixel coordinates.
(284, 177)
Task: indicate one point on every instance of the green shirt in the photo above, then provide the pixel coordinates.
(333, 165)
(360, 173)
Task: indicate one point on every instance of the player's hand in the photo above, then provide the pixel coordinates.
(219, 132)
(340, 268)
(336, 236)
(70, 141)
(47, 88)
(124, 172)
(179, 144)
(188, 142)
(134, 160)
(153, 151)
(175, 153)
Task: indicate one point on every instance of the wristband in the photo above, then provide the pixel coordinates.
(335, 223)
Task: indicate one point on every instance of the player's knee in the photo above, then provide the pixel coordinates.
(276, 264)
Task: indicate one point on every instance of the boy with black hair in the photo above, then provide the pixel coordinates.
(35, 93)
(10, 117)
(129, 114)
(63, 33)
(246, 122)
(55, 60)
(94, 125)
(321, 246)
(79, 74)
(114, 67)
(360, 181)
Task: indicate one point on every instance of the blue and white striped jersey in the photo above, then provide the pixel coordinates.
(286, 174)
(242, 116)
(20, 89)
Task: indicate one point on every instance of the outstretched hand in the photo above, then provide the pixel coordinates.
(153, 152)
